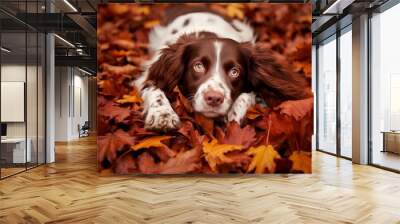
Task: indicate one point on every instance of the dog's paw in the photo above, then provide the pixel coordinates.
(240, 106)
(161, 118)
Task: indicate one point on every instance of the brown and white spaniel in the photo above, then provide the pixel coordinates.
(217, 66)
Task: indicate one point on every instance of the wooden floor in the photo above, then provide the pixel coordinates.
(71, 191)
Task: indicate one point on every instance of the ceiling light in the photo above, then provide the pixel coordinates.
(84, 71)
(5, 50)
(337, 7)
(65, 41)
(70, 5)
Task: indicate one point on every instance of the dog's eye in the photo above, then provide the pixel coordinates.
(199, 67)
(234, 73)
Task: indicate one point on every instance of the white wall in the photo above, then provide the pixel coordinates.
(33, 127)
(12, 73)
(71, 94)
(314, 89)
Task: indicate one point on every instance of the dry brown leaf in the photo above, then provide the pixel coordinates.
(182, 104)
(256, 111)
(215, 153)
(125, 164)
(110, 144)
(263, 157)
(119, 70)
(113, 111)
(206, 123)
(184, 162)
(296, 108)
(235, 135)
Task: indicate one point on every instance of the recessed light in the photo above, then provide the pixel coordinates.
(70, 5)
(5, 50)
(84, 71)
(64, 40)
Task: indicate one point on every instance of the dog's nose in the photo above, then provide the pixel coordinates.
(213, 98)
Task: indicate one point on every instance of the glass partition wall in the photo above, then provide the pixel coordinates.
(22, 77)
(327, 95)
(385, 89)
(345, 92)
(334, 93)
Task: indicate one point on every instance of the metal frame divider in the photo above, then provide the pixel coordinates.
(338, 98)
(44, 76)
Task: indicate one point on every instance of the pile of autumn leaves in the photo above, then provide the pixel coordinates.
(267, 142)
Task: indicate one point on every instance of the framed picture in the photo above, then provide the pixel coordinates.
(204, 88)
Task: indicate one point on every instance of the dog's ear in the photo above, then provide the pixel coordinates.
(270, 72)
(169, 67)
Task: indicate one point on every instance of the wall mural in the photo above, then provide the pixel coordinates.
(204, 88)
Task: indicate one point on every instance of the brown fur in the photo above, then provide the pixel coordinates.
(268, 74)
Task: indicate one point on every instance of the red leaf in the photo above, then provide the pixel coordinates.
(110, 144)
(126, 164)
(184, 162)
(111, 110)
(234, 135)
(296, 108)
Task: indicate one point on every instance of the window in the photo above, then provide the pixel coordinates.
(327, 96)
(385, 89)
(346, 92)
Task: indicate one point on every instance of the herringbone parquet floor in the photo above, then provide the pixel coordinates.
(71, 191)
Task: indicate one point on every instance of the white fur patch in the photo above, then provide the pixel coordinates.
(158, 112)
(240, 107)
(216, 83)
(161, 36)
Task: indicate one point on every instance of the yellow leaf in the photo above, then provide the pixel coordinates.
(151, 142)
(145, 10)
(235, 11)
(133, 97)
(152, 23)
(263, 157)
(215, 153)
(301, 161)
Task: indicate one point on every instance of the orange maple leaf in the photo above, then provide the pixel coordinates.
(263, 157)
(215, 153)
(235, 11)
(145, 10)
(301, 161)
(152, 23)
(133, 97)
(151, 142)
